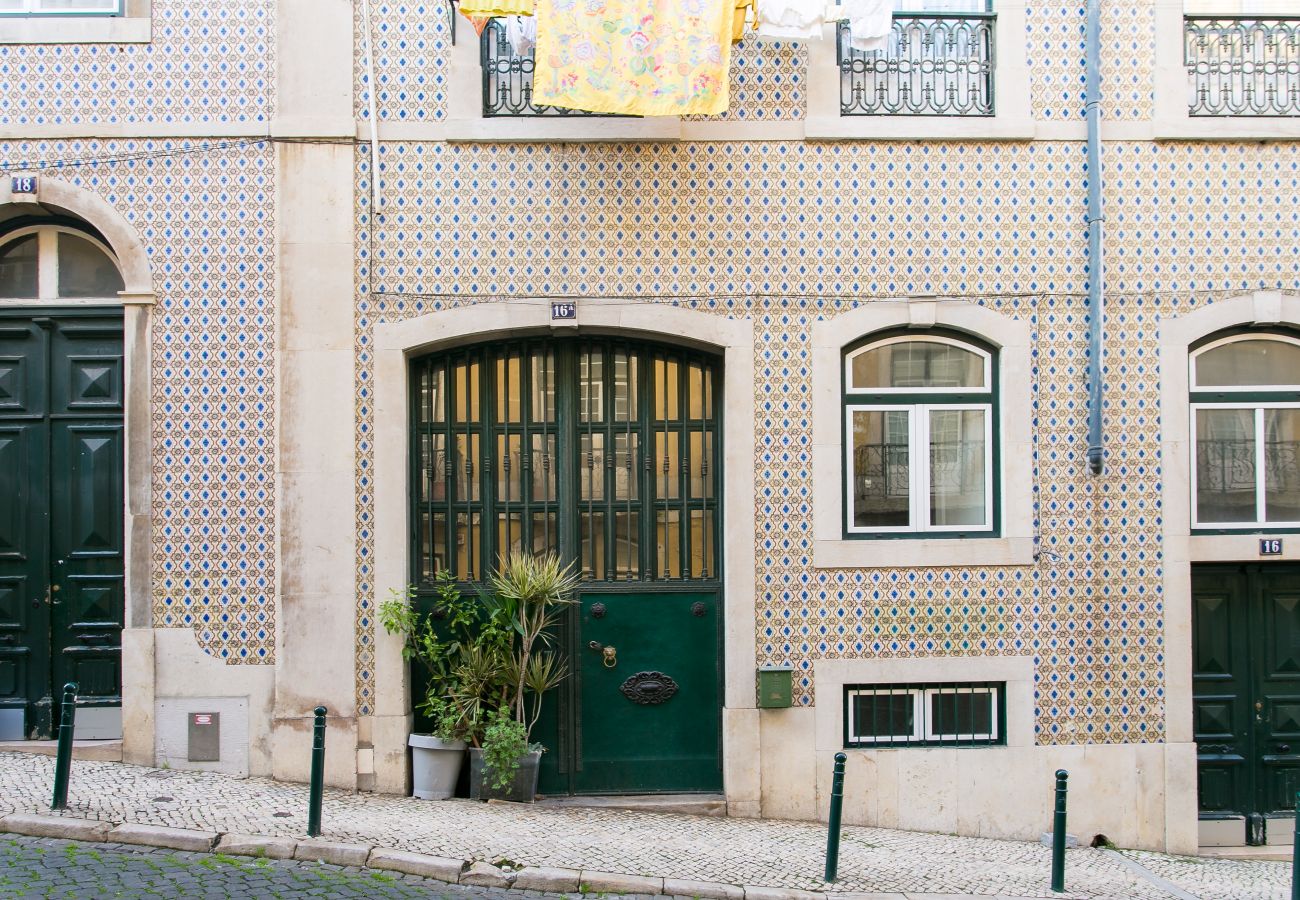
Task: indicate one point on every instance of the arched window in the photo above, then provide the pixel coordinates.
(1245, 398)
(53, 262)
(919, 437)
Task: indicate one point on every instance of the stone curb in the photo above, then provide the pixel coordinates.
(56, 827)
(332, 852)
(159, 836)
(450, 871)
(257, 845)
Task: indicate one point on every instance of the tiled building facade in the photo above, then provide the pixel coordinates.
(266, 467)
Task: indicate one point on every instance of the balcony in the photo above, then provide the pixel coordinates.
(1243, 65)
(508, 79)
(935, 64)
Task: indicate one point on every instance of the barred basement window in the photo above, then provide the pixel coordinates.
(950, 714)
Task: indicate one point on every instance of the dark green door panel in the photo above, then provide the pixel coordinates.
(61, 537)
(650, 722)
(1246, 689)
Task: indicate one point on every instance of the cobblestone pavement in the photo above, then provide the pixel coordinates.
(722, 850)
(41, 867)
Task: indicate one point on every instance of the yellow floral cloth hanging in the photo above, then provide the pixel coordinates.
(488, 8)
(634, 57)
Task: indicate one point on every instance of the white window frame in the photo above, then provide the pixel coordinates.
(922, 729)
(918, 443)
(1195, 356)
(986, 357)
(1013, 117)
(130, 24)
(1172, 119)
(1260, 473)
(47, 265)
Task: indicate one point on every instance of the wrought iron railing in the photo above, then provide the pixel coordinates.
(935, 64)
(1243, 65)
(508, 78)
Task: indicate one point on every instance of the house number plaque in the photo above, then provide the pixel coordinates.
(1270, 546)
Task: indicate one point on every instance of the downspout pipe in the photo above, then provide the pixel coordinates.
(1095, 258)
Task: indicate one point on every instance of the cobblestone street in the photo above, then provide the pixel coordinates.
(40, 867)
(658, 848)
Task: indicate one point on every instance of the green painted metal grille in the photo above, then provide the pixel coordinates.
(601, 450)
(1243, 65)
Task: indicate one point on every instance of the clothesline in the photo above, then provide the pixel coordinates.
(659, 57)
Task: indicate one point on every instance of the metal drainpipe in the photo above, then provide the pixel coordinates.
(1096, 267)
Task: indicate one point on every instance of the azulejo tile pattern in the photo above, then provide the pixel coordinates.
(205, 214)
(786, 233)
(210, 61)
(1055, 57)
(412, 41)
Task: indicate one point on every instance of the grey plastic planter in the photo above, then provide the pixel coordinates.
(522, 790)
(435, 766)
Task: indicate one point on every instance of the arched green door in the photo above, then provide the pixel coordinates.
(607, 452)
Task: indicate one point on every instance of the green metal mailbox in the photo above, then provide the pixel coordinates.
(775, 687)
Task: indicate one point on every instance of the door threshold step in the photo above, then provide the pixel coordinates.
(689, 804)
(93, 751)
(1276, 853)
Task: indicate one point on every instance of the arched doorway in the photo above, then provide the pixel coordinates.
(62, 454)
(608, 452)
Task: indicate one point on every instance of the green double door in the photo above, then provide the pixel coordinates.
(61, 523)
(608, 453)
(1246, 692)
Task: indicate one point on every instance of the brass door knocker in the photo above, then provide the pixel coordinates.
(609, 655)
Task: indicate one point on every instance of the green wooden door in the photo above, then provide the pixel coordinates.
(608, 453)
(1246, 691)
(61, 540)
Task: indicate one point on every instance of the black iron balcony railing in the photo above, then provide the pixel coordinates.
(1243, 65)
(508, 78)
(935, 64)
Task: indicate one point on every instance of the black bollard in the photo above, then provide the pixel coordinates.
(1058, 834)
(833, 825)
(1295, 852)
(317, 773)
(63, 761)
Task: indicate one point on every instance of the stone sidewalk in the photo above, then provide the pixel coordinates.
(589, 850)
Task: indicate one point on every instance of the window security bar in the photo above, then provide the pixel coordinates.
(925, 714)
(1243, 65)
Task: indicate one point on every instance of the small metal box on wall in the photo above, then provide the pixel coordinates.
(204, 737)
(775, 687)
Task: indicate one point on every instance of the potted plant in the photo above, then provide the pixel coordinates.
(528, 595)
(442, 642)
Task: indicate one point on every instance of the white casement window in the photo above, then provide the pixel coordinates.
(61, 7)
(1245, 403)
(919, 438)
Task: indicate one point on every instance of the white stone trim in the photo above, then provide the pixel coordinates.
(1181, 549)
(1013, 117)
(133, 27)
(1012, 338)
(395, 343)
(1171, 120)
(831, 675)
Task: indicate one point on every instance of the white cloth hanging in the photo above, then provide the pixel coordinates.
(797, 20)
(870, 22)
(521, 32)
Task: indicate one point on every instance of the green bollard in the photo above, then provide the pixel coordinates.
(833, 825)
(63, 761)
(1295, 852)
(317, 773)
(1058, 834)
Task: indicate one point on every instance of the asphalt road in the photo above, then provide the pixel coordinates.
(40, 867)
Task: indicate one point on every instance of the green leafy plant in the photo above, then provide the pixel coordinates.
(504, 741)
